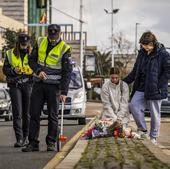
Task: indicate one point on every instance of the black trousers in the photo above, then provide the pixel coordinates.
(44, 92)
(20, 99)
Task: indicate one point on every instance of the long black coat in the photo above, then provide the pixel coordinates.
(157, 75)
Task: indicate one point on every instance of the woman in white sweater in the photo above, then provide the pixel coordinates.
(115, 96)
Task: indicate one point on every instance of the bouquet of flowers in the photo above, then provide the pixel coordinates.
(104, 128)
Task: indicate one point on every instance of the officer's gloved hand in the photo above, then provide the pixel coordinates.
(17, 70)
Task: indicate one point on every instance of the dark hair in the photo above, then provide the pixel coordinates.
(148, 37)
(17, 49)
(114, 70)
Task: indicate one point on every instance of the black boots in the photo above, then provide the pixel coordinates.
(25, 141)
(34, 146)
(31, 147)
(51, 147)
(19, 143)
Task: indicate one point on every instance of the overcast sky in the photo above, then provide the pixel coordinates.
(151, 14)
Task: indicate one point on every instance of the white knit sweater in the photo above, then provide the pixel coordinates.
(115, 102)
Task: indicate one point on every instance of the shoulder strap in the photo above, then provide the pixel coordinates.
(40, 39)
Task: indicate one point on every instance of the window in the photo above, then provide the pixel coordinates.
(76, 81)
(168, 89)
(41, 3)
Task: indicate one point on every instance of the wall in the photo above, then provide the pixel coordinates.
(13, 9)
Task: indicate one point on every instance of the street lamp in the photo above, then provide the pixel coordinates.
(81, 36)
(81, 29)
(113, 11)
(136, 37)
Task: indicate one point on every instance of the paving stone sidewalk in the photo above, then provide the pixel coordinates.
(120, 153)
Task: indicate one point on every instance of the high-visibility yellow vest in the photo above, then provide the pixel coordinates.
(15, 61)
(54, 58)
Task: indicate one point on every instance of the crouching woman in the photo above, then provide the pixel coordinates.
(115, 96)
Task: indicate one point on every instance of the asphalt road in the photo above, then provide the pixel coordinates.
(13, 158)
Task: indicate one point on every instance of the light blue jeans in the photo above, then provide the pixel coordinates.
(137, 107)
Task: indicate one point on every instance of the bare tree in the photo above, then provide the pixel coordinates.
(123, 52)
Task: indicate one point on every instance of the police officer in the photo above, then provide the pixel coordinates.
(18, 76)
(50, 61)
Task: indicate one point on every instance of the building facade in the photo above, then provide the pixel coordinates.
(33, 16)
(14, 9)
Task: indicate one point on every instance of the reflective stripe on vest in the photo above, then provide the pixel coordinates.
(54, 58)
(15, 61)
(54, 77)
(9, 54)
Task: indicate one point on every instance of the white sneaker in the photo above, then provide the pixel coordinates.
(143, 135)
(153, 140)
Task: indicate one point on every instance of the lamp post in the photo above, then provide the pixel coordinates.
(113, 11)
(50, 12)
(136, 37)
(81, 29)
(81, 36)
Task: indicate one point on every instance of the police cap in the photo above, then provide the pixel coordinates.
(53, 31)
(23, 38)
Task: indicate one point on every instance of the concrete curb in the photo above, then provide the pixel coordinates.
(155, 149)
(74, 156)
(66, 148)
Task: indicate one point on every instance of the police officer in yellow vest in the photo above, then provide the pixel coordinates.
(18, 76)
(50, 61)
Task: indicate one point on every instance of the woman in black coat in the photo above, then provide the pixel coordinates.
(150, 75)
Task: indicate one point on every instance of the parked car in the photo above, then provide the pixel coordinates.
(5, 105)
(165, 106)
(75, 104)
